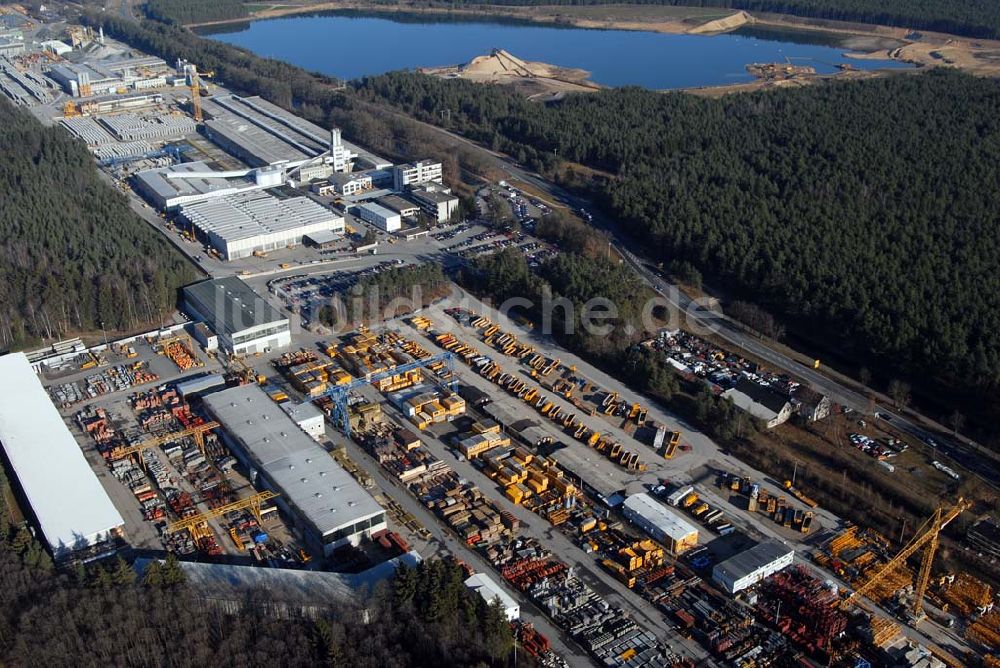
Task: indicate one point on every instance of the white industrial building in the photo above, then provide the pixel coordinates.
(167, 188)
(486, 587)
(663, 524)
(243, 224)
(309, 418)
(379, 216)
(106, 77)
(328, 506)
(751, 566)
(416, 173)
(437, 202)
(11, 46)
(243, 320)
(345, 184)
(57, 47)
(48, 468)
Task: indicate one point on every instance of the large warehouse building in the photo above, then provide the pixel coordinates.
(260, 133)
(55, 483)
(751, 566)
(660, 522)
(243, 320)
(240, 225)
(329, 507)
(167, 188)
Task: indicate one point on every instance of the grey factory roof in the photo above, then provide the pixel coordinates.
(72, 72)
(156, 181)
(253, 214)
(198, 385)
(230, 305)
(303, 411)
(322, 237)
(71, 506)
(269, 132)
(397, 203)
(340, 178)
(587, 466)
(435, 196)
(307, 476)
(123, 63)
(759, 394)
(658, 515)
(501, 413)
(263, 148)
(300, 589)
(748, 561)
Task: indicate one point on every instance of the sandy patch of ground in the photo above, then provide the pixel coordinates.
(731, 22)
(533, 79)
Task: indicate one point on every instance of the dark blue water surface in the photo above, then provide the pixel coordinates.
(352, 46)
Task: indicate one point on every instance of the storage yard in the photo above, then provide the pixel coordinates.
(317, 461)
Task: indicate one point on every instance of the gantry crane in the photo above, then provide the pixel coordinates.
(926, 537)
(340, 393)
(252, 503)
(197, 432)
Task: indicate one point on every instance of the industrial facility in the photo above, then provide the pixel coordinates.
(383, 218)
(260, 133)
(329, 506)
(243, 320)
(167, 188)
(751, 566)
(660, 522)
(70, 507)
(113, 75)
(246, 224)
(490, 591)
(290, 592)
(345, 184)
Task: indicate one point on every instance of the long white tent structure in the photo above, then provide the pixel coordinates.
(71, 507)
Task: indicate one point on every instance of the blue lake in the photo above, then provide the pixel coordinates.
(349, 46)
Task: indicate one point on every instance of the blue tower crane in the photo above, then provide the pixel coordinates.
(340, 393)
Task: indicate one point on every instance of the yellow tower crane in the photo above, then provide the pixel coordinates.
(926, 537)
(251, 503)
(195, 77)
(197, 432)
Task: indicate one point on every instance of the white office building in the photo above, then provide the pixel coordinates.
(438, 203)
(243, 320)
(257, 222)
(416, 173)
(383, 218)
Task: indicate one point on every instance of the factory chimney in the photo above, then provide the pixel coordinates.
(100, 38)
(334, 140)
